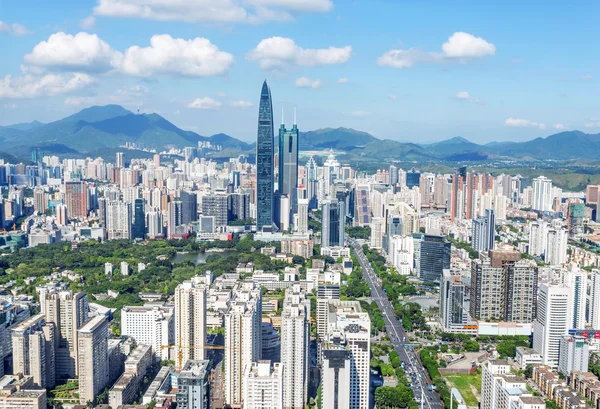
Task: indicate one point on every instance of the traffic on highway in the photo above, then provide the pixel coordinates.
(424, 394)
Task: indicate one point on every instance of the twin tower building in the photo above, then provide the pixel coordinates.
(275, 207)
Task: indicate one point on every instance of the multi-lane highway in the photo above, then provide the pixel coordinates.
(428, 399)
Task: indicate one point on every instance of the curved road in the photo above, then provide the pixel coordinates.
(431, 400)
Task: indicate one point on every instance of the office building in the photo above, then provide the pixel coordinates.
(453, 314)
(68, 311)
(193, 386)
(484, 231)
(413, 178)
(295, 343)
(139, 220)
(325, 293)
(502, 390)
(33, 350)
(190, 320)
(119, 221)
(216, 205)
(238, 206)
(175, 219)
(93, 358)
(76, 196)
(265, 167)
(150, 324)
(189, 207)
(264, 385)
(349, 328)
(288, 169)
(434, 252)
(552, 321)
(574, 355)
(242, 338)
(542, 194)
(336, 375)
(332, 224)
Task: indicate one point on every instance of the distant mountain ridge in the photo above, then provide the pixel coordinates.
(100, 130)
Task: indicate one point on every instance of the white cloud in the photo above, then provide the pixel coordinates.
(523, 123)
(30, 86)
(241, 104)
(176, 56)
(343, 81)
(593, 124)
(13, 29)
(465, 96)
(587, 77)
(127, 96)
(560, 127)
(281, 52)
(221, 11)
(87, 23)
(204, 103)
(393, 97)
(80, 101)
(81, 52)
(465, 45)
(358, 114)
(460, 46)
(304, 82)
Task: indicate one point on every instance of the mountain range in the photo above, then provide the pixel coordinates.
(101, 130)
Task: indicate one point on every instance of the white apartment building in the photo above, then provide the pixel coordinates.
(263, 386)
(556, 247)
(190, 320)
(538, 235)
(295, 343)
(33, 350)
(93, 358)
(594, 301)
(574, 354)
(542, 194)
(118, 220)
(499, 388)
(152, 324)
(576, 280)
(552, 321)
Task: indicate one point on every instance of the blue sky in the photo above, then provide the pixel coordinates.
(406, 70)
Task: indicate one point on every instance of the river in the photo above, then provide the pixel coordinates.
(197, 257)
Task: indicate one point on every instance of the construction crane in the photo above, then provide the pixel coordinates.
(180, 349)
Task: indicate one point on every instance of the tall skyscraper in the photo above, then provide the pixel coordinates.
(189, 207)
(552, 321)
(542, 194)
(243, 332)
(295, 343)
(190, 319)
(93, 358)
(288, 168)
(484, 231)
(139, 221)
(265, 167)
(76, 199)
(434, 253)
(68, 311)
(332, 224)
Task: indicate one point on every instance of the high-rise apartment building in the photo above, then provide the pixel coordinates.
(92, 359)
(521, 291)
(556, 247)
(484, 231)
(594, 300)
(302, 224)
(193, 386)
(33, 350)
(552, 321)
(453, 314)
(574, 354)
(542, 194)
(502, 390)
(242, 338)
(264, 385)
(120, 160)
(190, 320)
(76, 199)
(154, 223)
(295, 343)
(332, 224)
(119, 221)
(265, 166)
(68, 311)
(538, 236)
(150, 324)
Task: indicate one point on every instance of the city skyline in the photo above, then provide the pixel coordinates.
(512, 80)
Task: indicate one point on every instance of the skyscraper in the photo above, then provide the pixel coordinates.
(139, 221)
(295, 342)
(288, 167)
(93, 358)
(453, 314)
(332, 226)
(542, 194)
(33, 350)
(190, 319)
(120, 161)
(484, 231)
(118, 221)
(434, 254)
(189, 207)
(76, 199)
(265, 171)
(552, 322)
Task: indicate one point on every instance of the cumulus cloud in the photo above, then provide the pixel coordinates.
(281, 52)
(13, 29)
(241, 104)
(87, 23)
(30, 86)
(465, 96)
(343, 81)
(81, 52)
(168, 55)
(204, 103)
(523, 123)
(459, 47)
(221, 11)
(560, 127)
(304, 82)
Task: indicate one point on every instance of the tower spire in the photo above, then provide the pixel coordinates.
(282, 122)
(294, 115)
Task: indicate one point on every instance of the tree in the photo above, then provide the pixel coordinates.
(471, 345)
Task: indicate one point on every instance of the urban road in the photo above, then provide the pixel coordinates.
(429, 399)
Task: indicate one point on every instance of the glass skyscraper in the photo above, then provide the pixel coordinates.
(265, 171)
(288, 169)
